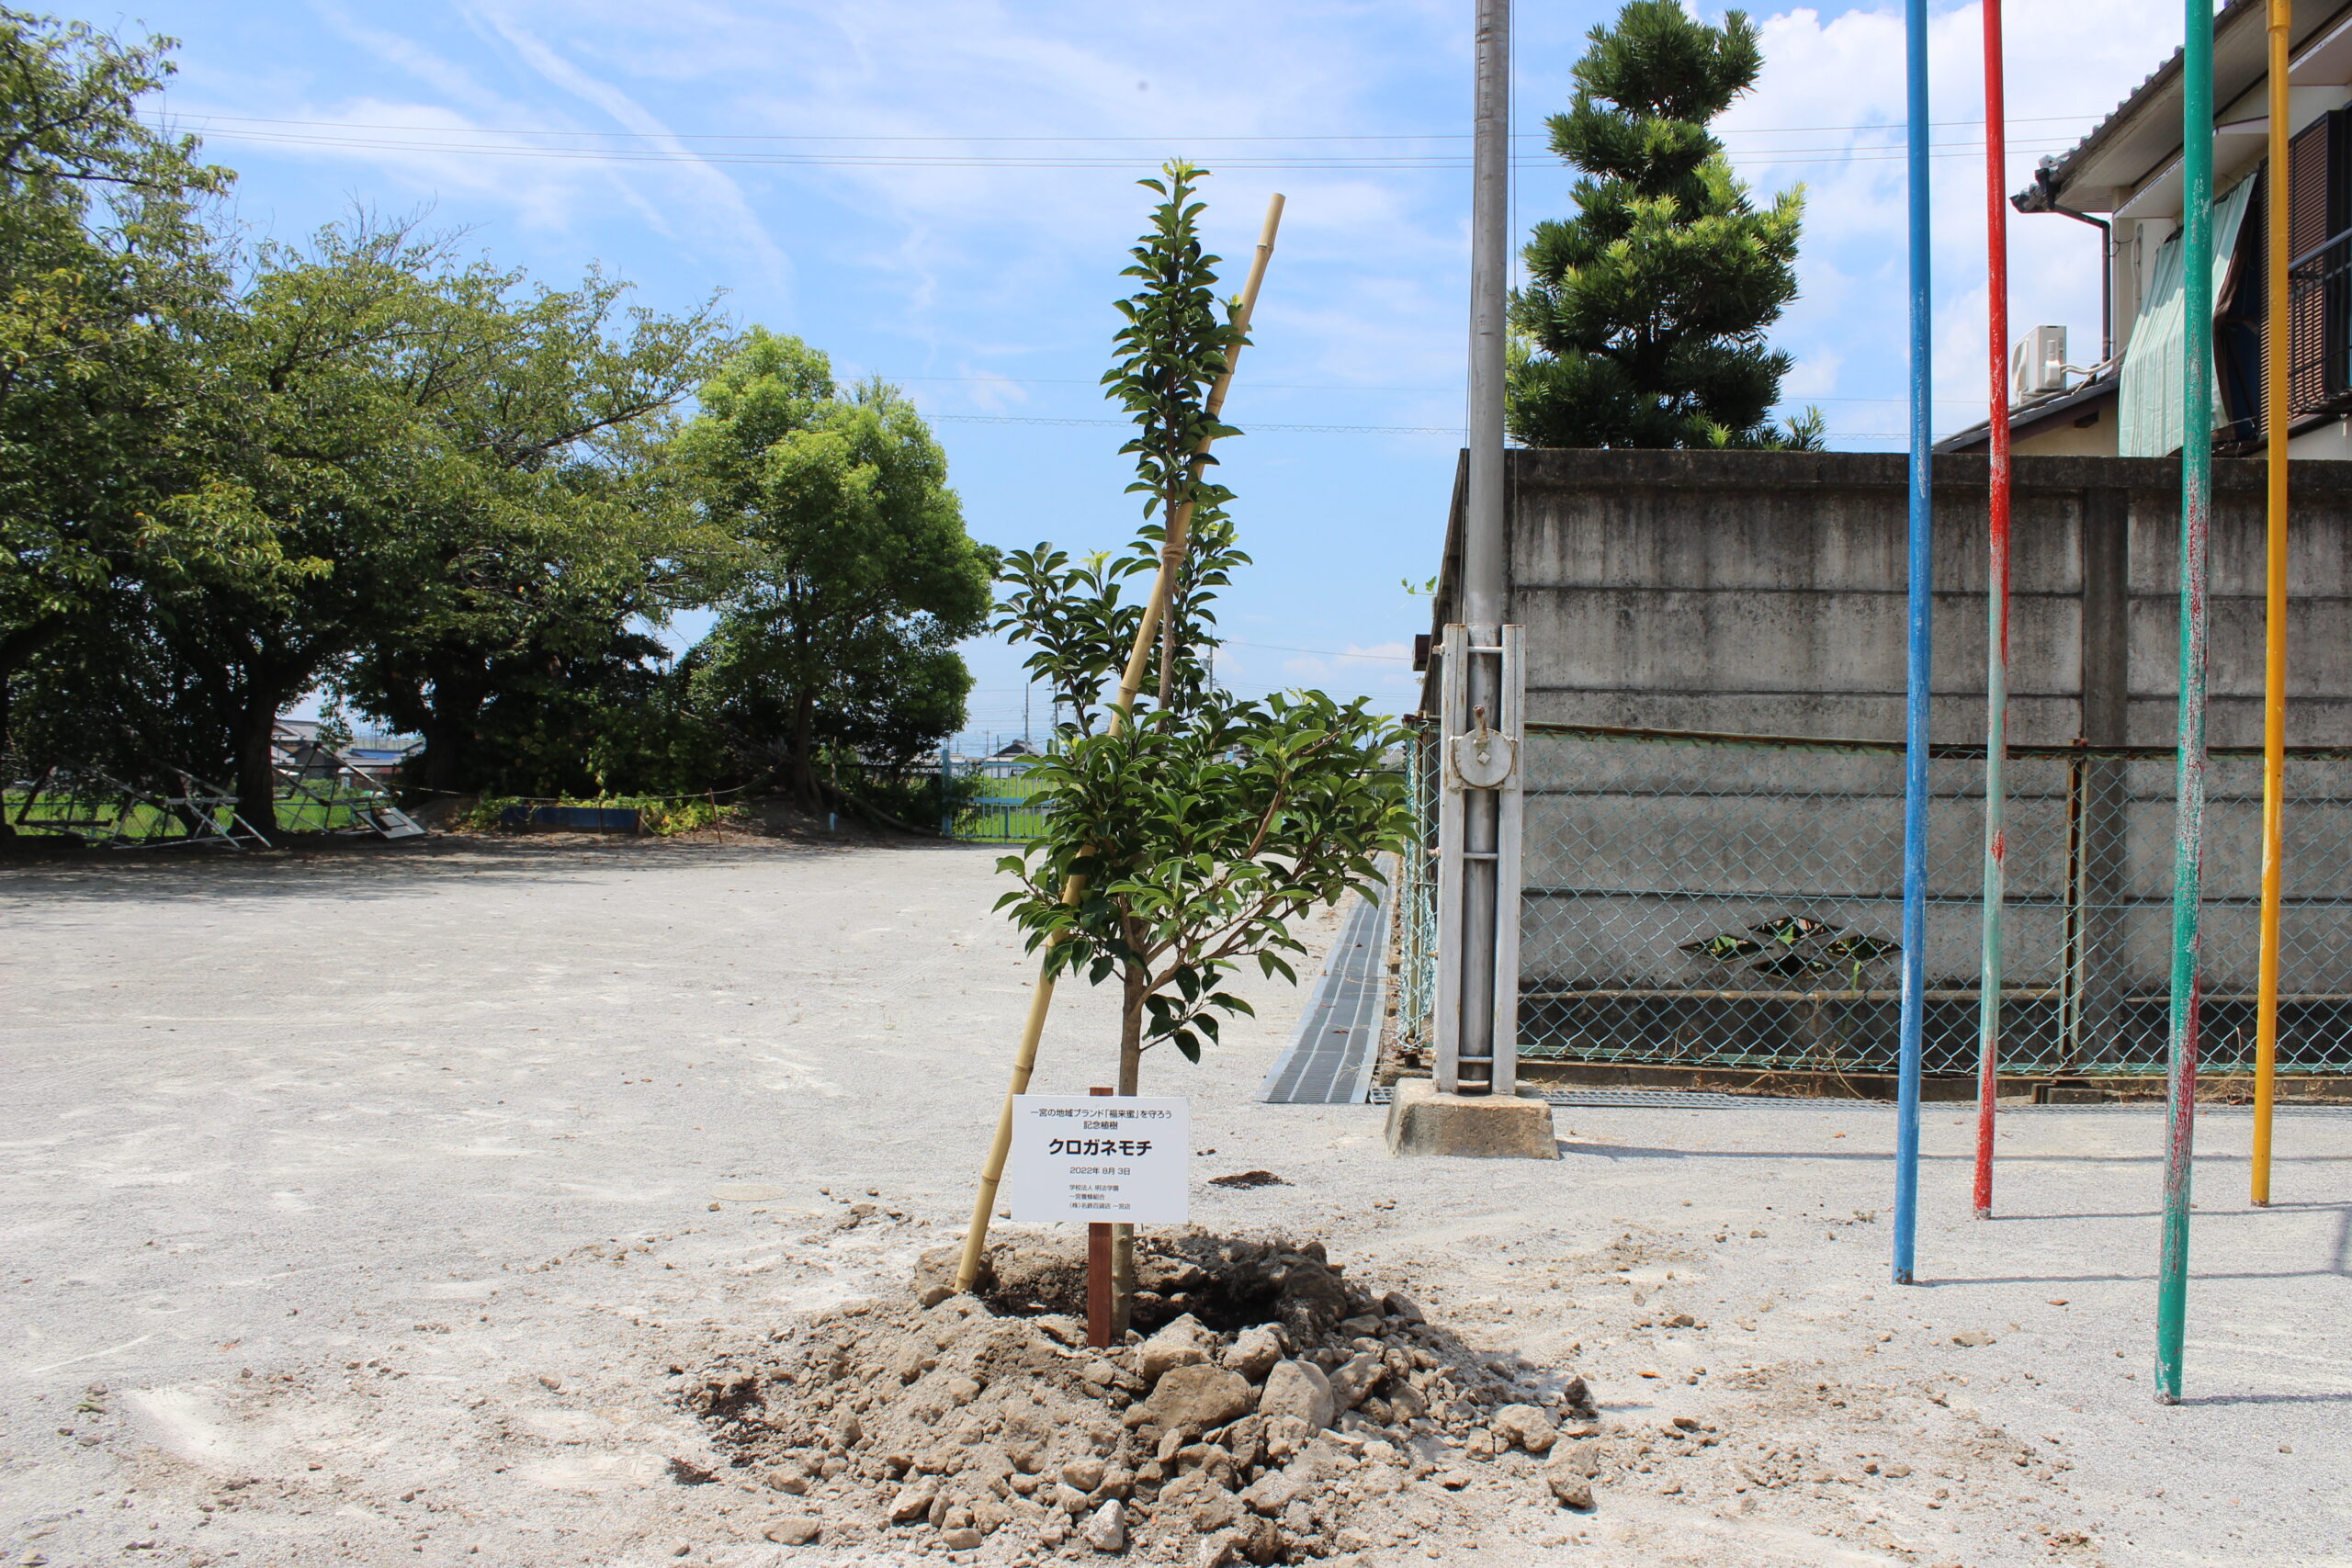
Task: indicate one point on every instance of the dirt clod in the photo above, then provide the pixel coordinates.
(984, 1421)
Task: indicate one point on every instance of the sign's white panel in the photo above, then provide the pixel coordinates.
(1101, 1158)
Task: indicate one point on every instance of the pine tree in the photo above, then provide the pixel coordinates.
(1643, 323)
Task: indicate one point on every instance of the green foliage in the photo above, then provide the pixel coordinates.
(1796, 948)
(449, 454)
(1202, 826)
(106, 271)
(1175, 344)
(439, 493)
(1642, 320)
(660, 817)
(1075, 616)
(555, 529)
(1203, 833)
(856, 576)
(1076, 621)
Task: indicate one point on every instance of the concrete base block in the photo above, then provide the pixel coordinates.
(1473, 1127)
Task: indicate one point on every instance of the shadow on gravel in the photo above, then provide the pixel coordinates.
(360, 868)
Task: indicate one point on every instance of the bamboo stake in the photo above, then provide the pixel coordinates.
(2274, 661)
(1180, 527)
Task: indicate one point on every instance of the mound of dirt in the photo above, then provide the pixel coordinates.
(1273, 1410)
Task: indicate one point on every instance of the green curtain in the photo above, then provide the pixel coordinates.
(2150, 418)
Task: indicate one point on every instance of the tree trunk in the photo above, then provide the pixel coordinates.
(257, 781)
(448, 731)
(8, 826)
(804, 762)
(1122, 1237)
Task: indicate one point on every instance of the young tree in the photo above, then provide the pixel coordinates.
(856, 560)
(1642, 321)
(1196, 831)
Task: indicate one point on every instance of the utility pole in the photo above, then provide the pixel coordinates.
(1473, 1107)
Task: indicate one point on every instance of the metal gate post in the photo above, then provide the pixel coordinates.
(1481, 814)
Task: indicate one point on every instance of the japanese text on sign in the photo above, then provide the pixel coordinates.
(1101, 1158)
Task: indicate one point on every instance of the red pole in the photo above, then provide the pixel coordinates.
(1097, 1278)
(1996, 656)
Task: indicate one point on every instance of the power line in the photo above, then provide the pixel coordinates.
(1453, 431)
(1327, 652)
(1326, 387)
(1890, 128)
(1333, 162)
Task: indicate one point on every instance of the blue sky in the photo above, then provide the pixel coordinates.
(940, 192)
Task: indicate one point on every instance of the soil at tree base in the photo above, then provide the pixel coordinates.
(1268, 1410)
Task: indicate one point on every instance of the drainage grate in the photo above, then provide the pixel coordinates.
(1662, 1099)
(1331, 1058)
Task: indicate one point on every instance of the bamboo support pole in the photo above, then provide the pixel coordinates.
(2188, 811)
(2274, 653)
(1025, 1061)
(1997, 600)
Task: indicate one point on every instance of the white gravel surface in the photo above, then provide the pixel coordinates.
(359, 1204)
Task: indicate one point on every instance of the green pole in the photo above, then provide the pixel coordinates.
(2188, 770)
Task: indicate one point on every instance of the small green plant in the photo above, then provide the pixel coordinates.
(1808, 955)
(657, 817)
(1796, 948)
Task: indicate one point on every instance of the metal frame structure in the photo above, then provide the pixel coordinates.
(314, 776)
(104, 812)
(1477, 988)
(1482, 777)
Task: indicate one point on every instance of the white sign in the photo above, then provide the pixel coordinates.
(1102, 1158)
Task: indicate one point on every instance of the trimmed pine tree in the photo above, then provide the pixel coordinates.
(1643, 322)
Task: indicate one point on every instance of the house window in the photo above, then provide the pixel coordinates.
(2319, 271)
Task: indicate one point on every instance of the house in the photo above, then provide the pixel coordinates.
(2124, 180)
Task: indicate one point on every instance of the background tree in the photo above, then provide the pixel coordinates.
(558, 539)
(1642, 320)
(105, 272)
(424, 487)
(856, 570)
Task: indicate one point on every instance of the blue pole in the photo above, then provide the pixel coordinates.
(1916, 668)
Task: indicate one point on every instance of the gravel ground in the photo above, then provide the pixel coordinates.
(361, 1204)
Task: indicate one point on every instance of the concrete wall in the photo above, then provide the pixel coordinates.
(1765, 593)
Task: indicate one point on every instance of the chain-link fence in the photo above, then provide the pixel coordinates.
(990, 799)
(1738, 902)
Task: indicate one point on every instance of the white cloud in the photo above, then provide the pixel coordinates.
(2065, 66)
(722, 192)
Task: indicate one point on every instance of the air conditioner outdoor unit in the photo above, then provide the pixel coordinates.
(2038, 364)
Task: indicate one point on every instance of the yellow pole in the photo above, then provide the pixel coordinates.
(2274, 659)
(1180, 527)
